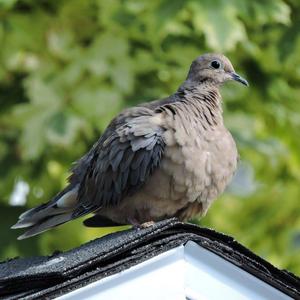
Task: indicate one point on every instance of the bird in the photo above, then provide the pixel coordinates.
(166, 158)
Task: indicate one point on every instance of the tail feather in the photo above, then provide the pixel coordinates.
(46, 224)
(37, 216)
(48, 215)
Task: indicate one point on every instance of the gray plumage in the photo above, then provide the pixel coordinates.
(165, 158)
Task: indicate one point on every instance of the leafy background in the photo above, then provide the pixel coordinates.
(67, 67)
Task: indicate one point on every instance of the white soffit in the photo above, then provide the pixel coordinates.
(186, 272)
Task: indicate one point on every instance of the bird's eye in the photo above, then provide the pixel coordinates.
(215, 64)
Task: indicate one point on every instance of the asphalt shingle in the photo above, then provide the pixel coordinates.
(36, 277)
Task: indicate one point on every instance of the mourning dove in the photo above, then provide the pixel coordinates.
(166, 158)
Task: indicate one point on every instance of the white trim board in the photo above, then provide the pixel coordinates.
(186, 272)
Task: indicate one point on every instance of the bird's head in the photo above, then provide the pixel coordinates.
(213, 68)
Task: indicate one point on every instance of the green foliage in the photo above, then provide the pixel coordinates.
(67, 67)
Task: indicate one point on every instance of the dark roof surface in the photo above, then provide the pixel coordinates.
(52, 276)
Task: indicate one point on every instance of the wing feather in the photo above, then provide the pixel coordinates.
(122, 161)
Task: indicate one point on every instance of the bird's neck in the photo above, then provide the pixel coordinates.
(205, 99)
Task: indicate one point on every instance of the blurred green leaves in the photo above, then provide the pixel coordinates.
(68, 67)
(221, 27)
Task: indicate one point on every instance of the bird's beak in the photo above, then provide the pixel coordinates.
(240, 79)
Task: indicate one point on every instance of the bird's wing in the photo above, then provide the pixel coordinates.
(122, 160)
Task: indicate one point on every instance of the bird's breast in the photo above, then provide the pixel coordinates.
(199, 164)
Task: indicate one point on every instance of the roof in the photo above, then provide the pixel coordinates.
(56, 275)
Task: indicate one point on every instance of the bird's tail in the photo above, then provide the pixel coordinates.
(41, 218)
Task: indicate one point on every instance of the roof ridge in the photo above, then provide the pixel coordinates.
(41, 274)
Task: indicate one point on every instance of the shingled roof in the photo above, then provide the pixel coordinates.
(56, 275)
